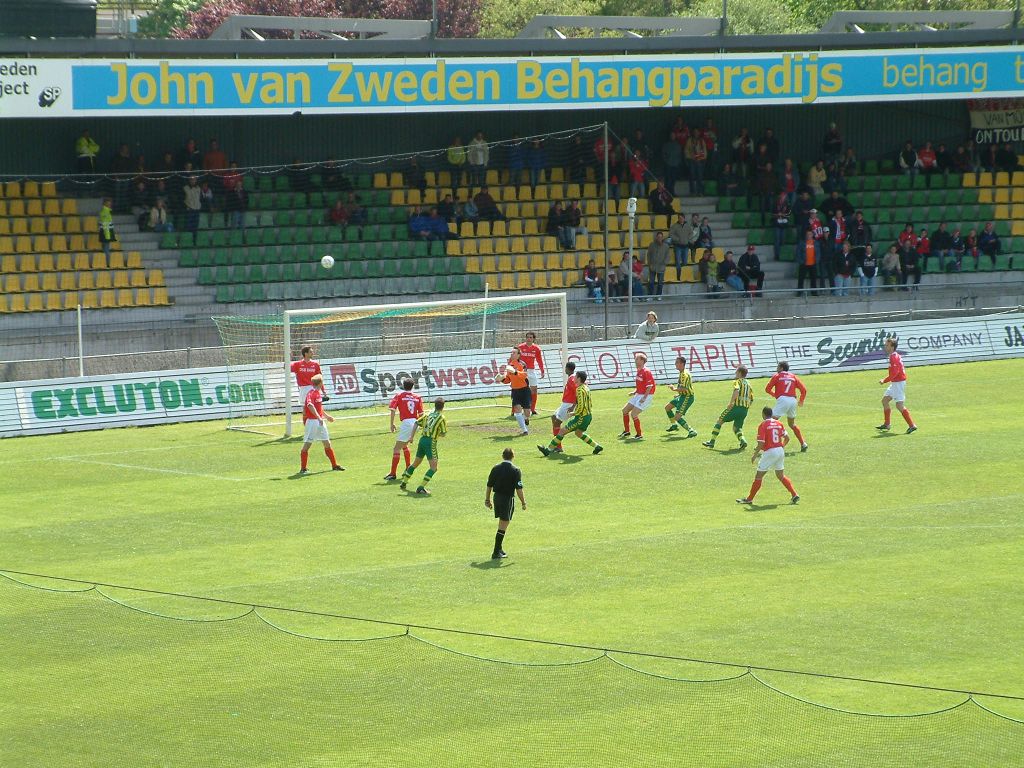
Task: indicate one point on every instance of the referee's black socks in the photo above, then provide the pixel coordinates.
(499, 537)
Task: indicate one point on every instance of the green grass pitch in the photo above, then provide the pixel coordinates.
(901, 562)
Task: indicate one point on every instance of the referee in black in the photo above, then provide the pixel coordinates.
(505, 482)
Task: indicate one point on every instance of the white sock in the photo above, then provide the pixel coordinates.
(522, 421)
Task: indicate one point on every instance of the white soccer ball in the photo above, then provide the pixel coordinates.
(327, 262)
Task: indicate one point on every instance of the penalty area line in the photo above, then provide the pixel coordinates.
(151, 469)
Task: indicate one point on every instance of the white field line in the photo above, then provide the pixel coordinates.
(111, 453)
(152, 469)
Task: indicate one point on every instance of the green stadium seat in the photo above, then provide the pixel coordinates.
(307, 271)
(289, 273)
(187, 259)
(186, 240)
(221, 275)
(292, 291)
(403, 249)
(275, 292)
(390, 269)
(237, 237)
(307, 290)
(272, 273)
(1002, 228)
(870, 167)
(420, 249)
(871, 183)
(474, 283)
(169, 240)
(256, 274)
(316, 200)
(217, 239)
(298, 200)
(257, 293)
(265, 183)
(887, 183)
(249, 183)
(253, 237)
(240, 293)
(271, 235)
(239, 274)
(953, 181)
(204, 258)
(205, 276)
(224, 294)
(281, 184)
(710, 188)
(919, 181)
(284, 218)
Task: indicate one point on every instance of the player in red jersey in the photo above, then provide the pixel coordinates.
(409, 406)
(897, 390)
(771, 448)
(313, 418)
(642, 397)
(519, 384)
(533, 359)
(568, 399)
(783, 386)
(304, 370)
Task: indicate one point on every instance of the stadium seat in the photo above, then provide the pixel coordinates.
(160, 297)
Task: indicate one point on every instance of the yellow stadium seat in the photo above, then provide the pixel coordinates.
(81, 262)
(500, 245)
(553, 261)
(506, 282)
(468, 246)
(37, 225)
(116, 261)
(69, 206)
(985, 196)
(444, 180)
(69, 281)
(1018, 211)
(58, 243)
(3, 305)
(142, 298)
(1002, 195)
(1002, 179)
(48, 189)
(555, 280)
(556, 174)
(19, 226)
(5, 226)
(76, 243)
(398, 197)
(380, 181)
(34, 207)
(487, 264)
(28, 263)
(524, 193)
(73, 225)
(121, 278)
(520, 262)
(45, 262)
(540, 280)
(484, 246)
(590, 190)
(536, 261)
(51, 207)
(87, 280)
(430, 197)
(1018, 195)
(30, 189)
(1003, 211)
(52, 302)
(7, 246)
(108, 299)
(1017, 179)
(30, 283)
(516, 245)
(54, 225)
(483, 229)
(125, 298)
(984, 179)
(532, 244)
(12, 189)
(99, 261)
(473, 264)
(530, 227)
(466, 229)
(104, 280)
(515, 227)
(598, 257)
(64, 262)
(555, 192)
(137, 278)
(523, 281)
(504, 263)
(18, 303)
(12, 284)
(90, 299)
(49, 281)
(1018, 228)
(395, 179)
(528, 210)
(596, 242)
(23, 244)
(499, 229)
(156, 278)
(71, 300)
(492, 178)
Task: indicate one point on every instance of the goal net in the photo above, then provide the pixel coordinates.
(453, 349)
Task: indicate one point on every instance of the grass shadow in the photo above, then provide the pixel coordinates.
(296, 439)
(883, 435)
(490, 565)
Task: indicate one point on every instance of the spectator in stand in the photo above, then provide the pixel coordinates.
(455, 157)
(749, 268)
(193, 204)
(236, 203)
(106, 226)
(190, 158)
(356, 213)
(989, 159)
(908, 160)
(844, 265)
(487, 206)
(907, 238)
(413, 175)
(621, 155)
(1006, 159)
(789, 180)
(927, 162)
(657, 261)
(603, 158)
(761, 159)
(615, 287)
(207, 201)
(537, 162)
(808, 256)
(628, 273)
(962, 162)
(660, 201)
(730, 183)
(802, 213)
(891, 272)
(767, 191)
(671, 161)
(579, 160)
(705, 238)
(781, 214)
(771, 145)
(166, 167)
(694, 236)
(640, 146)
(592, 279)
(958, 248)
(574, 222)
(729, 274)
(638, 275)
(338, 214)
(446, 209)
(159, 221)
(679, 237)
(708, 272)
(742, 153)
(971, 248)
(557, 225)
(816, 227)
(439, 227)
(924, 247)
(941, 246)
(232, 178)
(141, 202)
(637, 174)
(478, 155)
(710, 135)
(943, 160)
(835, 180)
(334, 178)
(832, 144)
(910, 265)
(849, 165)
(989, 244)
(816, 178)
(696, 153)
(467, 212)
(867, 267)
(429, 227)
(86, 150)
(859, 230)
(215, 160)
(837, 232)
(122, 166)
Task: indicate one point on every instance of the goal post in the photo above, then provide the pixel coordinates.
(452, 348)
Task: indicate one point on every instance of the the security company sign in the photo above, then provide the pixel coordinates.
(173, 396)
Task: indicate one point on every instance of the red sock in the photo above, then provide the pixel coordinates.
(554, 429)
(406, 455)
(799, 435)
(394, 463)
(887, 416)
(304, 455)
(906, 417)
(625, 422)
(636, 425)
(754, 488)
(533, 400)
(330, 455)
(789, 485)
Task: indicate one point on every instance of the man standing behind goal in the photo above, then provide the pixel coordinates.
(313, 417)
(408, 405)
(304, 370)
(506, 482)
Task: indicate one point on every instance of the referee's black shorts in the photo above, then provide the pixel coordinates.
(503, 507)
(522, 397)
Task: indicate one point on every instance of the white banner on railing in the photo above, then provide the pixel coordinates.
(40, 407)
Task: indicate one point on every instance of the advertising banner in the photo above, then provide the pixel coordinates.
(139, 87)
(996, 121)
(173, 396)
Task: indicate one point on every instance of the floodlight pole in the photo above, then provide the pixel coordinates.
(81, 353)
(607, 261)
(433, 19)
(631, 212)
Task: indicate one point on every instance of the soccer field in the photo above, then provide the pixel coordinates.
(901, 562)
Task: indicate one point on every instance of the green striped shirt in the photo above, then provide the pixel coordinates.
(433, 424)
(744, 394)
(685, 383)
(583, 406)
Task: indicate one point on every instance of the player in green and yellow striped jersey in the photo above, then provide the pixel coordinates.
(578, 422)
(433, 427)
(736, 412)
(677, 407)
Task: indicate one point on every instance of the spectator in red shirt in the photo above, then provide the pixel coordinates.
(928, 162)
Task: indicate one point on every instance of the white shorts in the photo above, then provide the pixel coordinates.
(641, 402)
(784, 406)
(562, 414)
(533, 376)
(315, 430)
(897, 390)
(772, 459)
(303, 391)
(405, 430)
